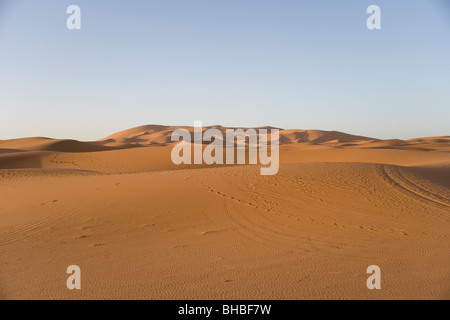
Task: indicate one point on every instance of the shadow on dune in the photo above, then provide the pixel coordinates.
(76, 146)
(5, 151)
(19, 161)
(436, 175)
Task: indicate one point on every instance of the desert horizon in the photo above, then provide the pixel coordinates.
(120, 134)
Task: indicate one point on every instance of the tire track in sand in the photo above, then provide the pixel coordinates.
(394, 177)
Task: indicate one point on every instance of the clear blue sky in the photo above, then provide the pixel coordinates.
(289, 63)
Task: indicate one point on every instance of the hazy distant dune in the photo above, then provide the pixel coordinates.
(134, 149)
(155, 134)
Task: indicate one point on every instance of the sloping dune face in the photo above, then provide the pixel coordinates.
(140, 227)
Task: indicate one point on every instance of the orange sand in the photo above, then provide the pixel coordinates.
(140, 227)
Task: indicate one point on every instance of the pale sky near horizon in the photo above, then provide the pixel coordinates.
(287, 63)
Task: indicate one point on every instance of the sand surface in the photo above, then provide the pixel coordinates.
(140, 227)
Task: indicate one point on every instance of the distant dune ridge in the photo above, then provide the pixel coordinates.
(148, 135)
(155, 134)
(128, 150)
(141, 227)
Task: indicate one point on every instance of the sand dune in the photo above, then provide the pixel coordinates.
(148, 148)
(140, 227)
(156, 134)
